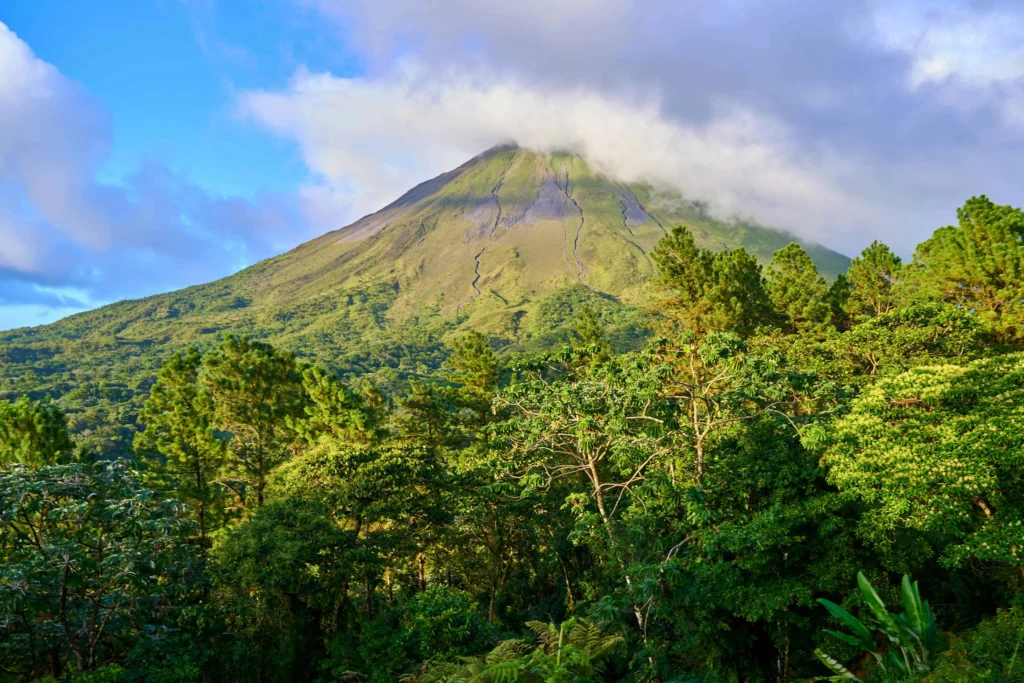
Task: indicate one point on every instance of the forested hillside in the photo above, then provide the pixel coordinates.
(510, 244)
(755, 474)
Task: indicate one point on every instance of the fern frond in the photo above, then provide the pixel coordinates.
(502, 672)
(506, 650)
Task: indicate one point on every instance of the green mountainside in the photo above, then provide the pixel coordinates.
(510, 243)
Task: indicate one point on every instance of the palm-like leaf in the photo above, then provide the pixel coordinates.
(836, 667)
(861, 635)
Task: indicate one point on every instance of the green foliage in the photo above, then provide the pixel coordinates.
(279, 576)
(444, 624)
(256, 390)
(91, 561)
(873, 280)
(904, 337)
(912, 634)
(179, 442)
(936, 450)
(979, 265)
(475, 371)
(797, 292)
(575, 651)
(33, 433)
(991, 652)
(722, 292)
(334, 410)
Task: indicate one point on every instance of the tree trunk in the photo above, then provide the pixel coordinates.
(614, 545)
(56, 666)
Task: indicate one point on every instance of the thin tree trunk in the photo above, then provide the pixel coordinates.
(56, 668)
(201, 504)
(614, 545)
(369, 597)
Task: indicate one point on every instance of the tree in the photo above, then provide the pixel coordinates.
(33, 433)
(978, 265)
(179, 441)
(90, 561)
(334, 411)
(282, 576)
(390, 495)
(723, 292)
(838, 299)
(426, 414)
(920, 333)
(475, 371)
(684, 269)
(873, 278)
(798, 294)
(936, 450)
(256, 389)
(603, 426)
(738, 295)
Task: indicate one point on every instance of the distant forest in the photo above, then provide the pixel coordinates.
(761, 476)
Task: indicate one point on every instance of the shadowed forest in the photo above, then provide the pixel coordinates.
(762, 476)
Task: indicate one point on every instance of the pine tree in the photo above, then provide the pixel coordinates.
(425, 414)
(33, 433)
(708, 292)
(798, 293)
(475, 371)
(473, 364)
(334, 410)
(684, 268)
(873, 279)
(179, 444)
(738, 296)
(979, 265)
(255, 389)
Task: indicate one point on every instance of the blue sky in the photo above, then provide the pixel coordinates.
(149, 145)
(166, 73)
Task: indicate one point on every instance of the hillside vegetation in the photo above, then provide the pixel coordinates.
(782, 478)
(512, 243)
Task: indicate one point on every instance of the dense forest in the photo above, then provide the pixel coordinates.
(781, 479)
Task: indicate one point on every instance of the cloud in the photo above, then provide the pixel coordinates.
(842, 121)
(60, 227)
(834, 120)
(376, 137)
(971, 55)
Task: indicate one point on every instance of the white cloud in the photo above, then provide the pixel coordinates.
(372, 139)
(973, 55)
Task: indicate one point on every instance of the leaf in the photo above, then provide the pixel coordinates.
(860, 631)
(845, 637)
(912, 605)
(881, 612)
(836, 667)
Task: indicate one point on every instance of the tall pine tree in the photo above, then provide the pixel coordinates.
(798, 293)
(256, 389)
(979, 265)
(33, 433)
(179, 441)
(873, 278)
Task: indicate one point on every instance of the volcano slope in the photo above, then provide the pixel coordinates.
(510, 243)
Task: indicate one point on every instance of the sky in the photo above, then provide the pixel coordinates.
(148, 145)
